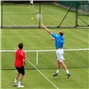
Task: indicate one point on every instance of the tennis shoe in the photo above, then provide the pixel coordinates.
(19, 86)
(68, 75)
(14, 84)
(56, 74)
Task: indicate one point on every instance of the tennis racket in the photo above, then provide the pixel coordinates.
(39, 16)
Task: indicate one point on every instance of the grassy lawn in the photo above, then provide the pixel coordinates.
(34, 39)
(38, 39)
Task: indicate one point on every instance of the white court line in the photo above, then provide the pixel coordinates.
(60, 20)
(78, 37)
(43, 75)
(77, 46)
(10, 21)
(72, 44)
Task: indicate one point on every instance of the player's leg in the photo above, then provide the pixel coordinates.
(20, 81)
(65, 67)
(61, 59)
(31, 3)
(16, 78)
(57, 71)
(58, 63)
(22, 72)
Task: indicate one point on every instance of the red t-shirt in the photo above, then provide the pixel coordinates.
(20, 56)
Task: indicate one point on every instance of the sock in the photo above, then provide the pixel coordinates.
(19, 83)
(57, 71)
(15, 80)
(67, 71)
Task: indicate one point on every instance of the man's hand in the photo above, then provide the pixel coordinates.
(52, 38)
(42, 25)
(46, 28)
(24, 61)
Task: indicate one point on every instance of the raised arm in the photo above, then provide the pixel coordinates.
(46, 28)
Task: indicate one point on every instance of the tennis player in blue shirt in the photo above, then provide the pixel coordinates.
(59, 42)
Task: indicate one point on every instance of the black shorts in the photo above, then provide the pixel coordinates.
(20, 70)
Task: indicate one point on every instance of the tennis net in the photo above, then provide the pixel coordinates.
(46, 59)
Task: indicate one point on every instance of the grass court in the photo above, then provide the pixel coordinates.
(36, 39)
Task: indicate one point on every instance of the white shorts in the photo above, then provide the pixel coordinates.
(31, 1)
(60, 53)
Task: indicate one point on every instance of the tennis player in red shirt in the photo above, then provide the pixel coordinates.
(20, 59)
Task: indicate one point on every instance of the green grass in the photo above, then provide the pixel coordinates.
(34, 80)
(52, 15)
(39, 39)
(40, 76)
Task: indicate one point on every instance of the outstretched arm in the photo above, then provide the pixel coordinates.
(53, 39)
(46, 28)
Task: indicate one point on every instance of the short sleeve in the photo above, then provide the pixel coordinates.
(54, 35)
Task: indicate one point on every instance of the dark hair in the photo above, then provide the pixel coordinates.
(61, 33)
(20, 45)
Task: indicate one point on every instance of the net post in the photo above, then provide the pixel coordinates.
(39, 11)
(37, 57)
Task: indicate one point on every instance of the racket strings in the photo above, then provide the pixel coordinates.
(39, 16)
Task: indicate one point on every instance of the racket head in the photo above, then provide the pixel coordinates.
(39, 16)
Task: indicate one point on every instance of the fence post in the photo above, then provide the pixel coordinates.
(36, 57)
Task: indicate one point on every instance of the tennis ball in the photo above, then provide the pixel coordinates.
(31, 17)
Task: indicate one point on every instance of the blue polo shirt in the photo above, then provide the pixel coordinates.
(59, 40)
